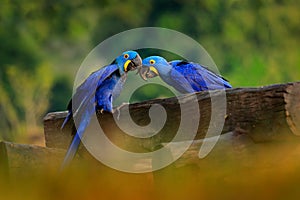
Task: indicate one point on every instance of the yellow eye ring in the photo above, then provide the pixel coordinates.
(126, 56)
(152, 62)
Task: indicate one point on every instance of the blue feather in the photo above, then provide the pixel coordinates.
(186, 77)
(97, 92)
(84, 92)
(96, 89)
(199, 77)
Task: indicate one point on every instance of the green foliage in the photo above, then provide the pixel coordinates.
(60, 92)
(150, 91)
(28, 101)
(253, 42)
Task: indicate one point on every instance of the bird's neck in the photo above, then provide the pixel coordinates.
(164, 69)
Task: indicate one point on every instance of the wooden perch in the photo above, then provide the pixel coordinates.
(239, 151)
(21, 159)
(270, 113)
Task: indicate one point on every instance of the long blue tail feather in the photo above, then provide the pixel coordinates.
(71, 151)
(77, 138)
(68, 117)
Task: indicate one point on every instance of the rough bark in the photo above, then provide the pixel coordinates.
(270, 113)
(22, 159)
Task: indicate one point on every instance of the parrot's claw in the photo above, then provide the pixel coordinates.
(117, 110)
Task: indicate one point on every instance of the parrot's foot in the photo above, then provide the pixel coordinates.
(102, 111)
(117, 110)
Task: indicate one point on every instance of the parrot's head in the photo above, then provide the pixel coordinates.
(154, 66)
(128, 61)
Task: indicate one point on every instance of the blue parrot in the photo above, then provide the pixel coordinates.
(185, 77)
(97, 92)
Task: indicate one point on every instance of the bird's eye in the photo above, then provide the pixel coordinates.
(126, 56)
(152, 62)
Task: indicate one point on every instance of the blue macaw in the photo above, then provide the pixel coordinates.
(97, 92)
(185, 77)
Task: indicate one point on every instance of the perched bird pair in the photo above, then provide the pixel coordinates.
(99, 90)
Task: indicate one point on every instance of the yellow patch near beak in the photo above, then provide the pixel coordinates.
(153, 69)
(126, 65)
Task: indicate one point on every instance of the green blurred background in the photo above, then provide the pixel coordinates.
(253, 42)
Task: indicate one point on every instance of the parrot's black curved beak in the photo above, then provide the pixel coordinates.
(145, 73)
(135, 63)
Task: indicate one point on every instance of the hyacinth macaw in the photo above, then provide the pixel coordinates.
(97, 92)
(185, 77)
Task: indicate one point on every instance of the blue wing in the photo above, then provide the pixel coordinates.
(84, 92)
(109, 90)
(82, 105)
(198, 77)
